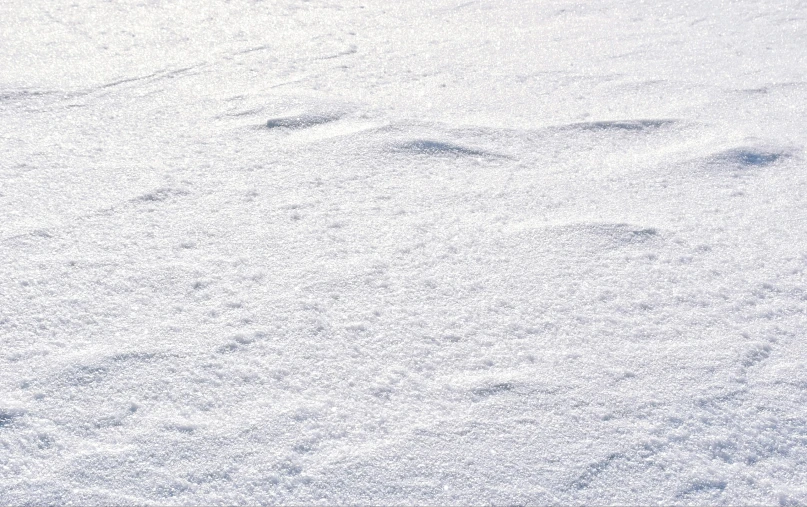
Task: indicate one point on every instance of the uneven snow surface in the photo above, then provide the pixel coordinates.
(416, 252)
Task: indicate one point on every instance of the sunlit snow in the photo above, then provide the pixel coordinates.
(403, 252)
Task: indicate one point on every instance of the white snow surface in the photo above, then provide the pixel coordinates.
(412, 252)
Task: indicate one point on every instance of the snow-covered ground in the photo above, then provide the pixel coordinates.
(415, 252)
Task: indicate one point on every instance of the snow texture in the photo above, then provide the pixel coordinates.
(416, 252)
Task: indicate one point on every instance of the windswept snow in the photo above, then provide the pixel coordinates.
(443, 252)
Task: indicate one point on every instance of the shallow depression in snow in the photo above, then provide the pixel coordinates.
(300, 253)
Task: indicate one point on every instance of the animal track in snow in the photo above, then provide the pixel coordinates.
(755, 355)
(8, 415)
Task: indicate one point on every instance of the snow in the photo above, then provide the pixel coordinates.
(416, 252)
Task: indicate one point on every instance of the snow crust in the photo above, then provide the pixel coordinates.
(414, 252)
